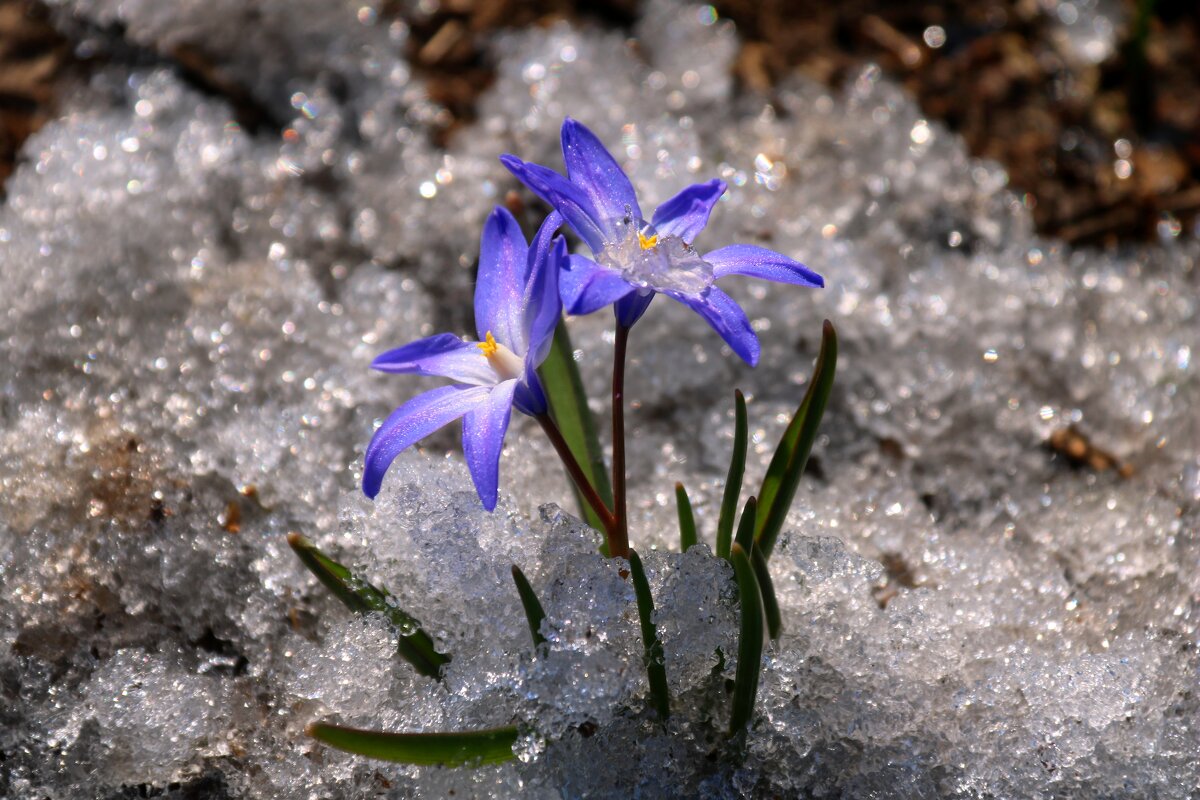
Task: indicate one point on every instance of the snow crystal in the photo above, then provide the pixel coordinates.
(988, 579)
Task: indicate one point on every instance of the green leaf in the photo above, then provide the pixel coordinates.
(469, 749)
(534, 612)
(770, 604)
(733, 482)
(687, 520)
(787, 465)
(750, 643)
(568, 406)
(413, 644)
(656, 669)
(745, 531)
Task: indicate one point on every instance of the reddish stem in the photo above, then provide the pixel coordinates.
(580, 478)
(621, 509)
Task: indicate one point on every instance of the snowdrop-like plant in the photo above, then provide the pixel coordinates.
(522, 360)
(516, 311)
(635, 258)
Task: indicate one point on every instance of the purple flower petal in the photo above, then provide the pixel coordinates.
(530, 397)
(444, 355)
(412, 422)
(686, 214)
(759, 262)
(592, 168)
(567, 198)
(543, 307)
(727, 319)
(586, 286)
(484, 427)
(500, 283)
(629, 309)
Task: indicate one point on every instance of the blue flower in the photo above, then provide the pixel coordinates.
(517, 307)
(634, 258)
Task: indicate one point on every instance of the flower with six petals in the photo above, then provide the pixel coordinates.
(517, 307)
(634, 259)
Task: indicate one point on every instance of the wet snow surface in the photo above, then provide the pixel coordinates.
(189, 311)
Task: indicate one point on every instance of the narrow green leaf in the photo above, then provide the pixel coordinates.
(656, 669)
(745, 531)
(568, 406)
(687, 520)
(762, 573)
(750, 644)
(413, 644)
(733, 481)
(534, 612)
(468, 749)
(787, 465)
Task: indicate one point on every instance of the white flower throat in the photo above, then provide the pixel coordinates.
(661, 263)
(504, 362)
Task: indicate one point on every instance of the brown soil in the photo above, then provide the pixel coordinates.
(1000, 79)
(31, 58)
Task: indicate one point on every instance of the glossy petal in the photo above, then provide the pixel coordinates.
(412, 422)
(592, 168)
(530, 397)
(444, 355)
(500, 283)
(586, 286)
(567, 198)
(686, 214)
(543, 306)
(629, 309)
(759, 262)
(727, 319)
(484, 427)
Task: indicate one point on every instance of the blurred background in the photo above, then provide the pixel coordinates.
(1092, 106)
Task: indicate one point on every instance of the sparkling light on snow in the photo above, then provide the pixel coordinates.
(191, 306)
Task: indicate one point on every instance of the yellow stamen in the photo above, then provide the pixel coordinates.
(647, 241)
(488, 345)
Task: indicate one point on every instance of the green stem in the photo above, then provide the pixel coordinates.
(687, 520)
(733, 482)
(656, 670)
(534, 613)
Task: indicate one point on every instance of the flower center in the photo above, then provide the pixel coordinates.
(657, 263)
(504, 362)
(488, 345)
